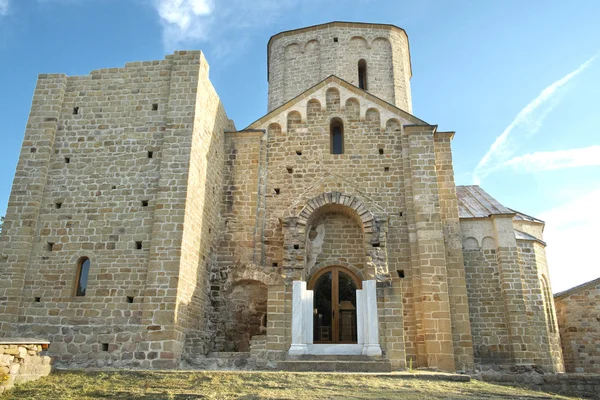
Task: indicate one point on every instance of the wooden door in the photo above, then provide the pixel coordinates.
(334, 303)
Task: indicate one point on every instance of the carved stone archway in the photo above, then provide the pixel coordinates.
(374, 227)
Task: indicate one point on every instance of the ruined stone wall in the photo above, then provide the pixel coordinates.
(578, 320)
(22, 360)
(104, 174)
(302, 58)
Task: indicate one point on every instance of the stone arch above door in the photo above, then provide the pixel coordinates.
(370, 221)
(374, 227)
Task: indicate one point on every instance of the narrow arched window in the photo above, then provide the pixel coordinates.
(83, 269)
(362, 74)
(336, 129)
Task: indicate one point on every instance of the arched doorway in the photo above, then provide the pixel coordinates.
(334, 304)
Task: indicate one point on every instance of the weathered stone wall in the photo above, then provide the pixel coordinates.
(104, 173)
(22, 361)
(579, 323)
(274, 175)
(585, 386)
(499, 299)
(335, 239)
(302, 58)
(540, 313)
(487, 315)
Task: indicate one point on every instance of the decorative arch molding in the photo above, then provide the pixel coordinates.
(380, 40)
(359, 42)
(471, 243)
(295, 229)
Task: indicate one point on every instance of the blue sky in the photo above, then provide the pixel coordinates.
(519, 82)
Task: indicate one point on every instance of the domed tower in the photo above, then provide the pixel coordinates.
(374, 57)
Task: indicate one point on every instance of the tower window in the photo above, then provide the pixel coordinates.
(83, 269)
(362, 74)
(336, 130)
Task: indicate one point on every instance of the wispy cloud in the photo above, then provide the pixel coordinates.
(571, 233)
(528, 120)
(188, 21)
(3, 7)
(553, 160)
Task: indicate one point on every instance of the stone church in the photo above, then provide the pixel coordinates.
(143, 229)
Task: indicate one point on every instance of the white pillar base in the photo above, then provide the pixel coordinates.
(298, 349)
(372, 350)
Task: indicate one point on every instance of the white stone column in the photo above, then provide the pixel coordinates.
(371, 321)
(307, 300)
(298, 346)
(360, 316)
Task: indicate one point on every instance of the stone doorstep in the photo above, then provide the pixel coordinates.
(332, 357)
(334, 366)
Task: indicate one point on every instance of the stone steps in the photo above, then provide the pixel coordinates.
(332, 357)
(334, 366)
(335, 363)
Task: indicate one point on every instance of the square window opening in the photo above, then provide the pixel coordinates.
(145, 203)
(75, 110)
(277, 190)
(299, 152)
(381, 151)
(49, 246)
(104, 346)
(138, 245)
(296, 246)
(130, 299)
(67, 160)
(150, 154)
(155, 107)
(37, 299)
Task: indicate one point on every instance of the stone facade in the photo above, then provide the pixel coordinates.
(196, 232)
(578, 312)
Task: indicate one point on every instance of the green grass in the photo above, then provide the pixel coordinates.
(155, 385)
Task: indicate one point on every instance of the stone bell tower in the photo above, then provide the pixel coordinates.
(374, 57)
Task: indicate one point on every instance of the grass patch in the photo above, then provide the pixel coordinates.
(158, 385)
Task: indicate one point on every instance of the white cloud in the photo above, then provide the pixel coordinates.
(187, 21)
(529, 120)
(572, 236)
(553, 160)
(184, 19)
(3, 7)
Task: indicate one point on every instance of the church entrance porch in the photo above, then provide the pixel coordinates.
(335, 313)
(303, 321)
